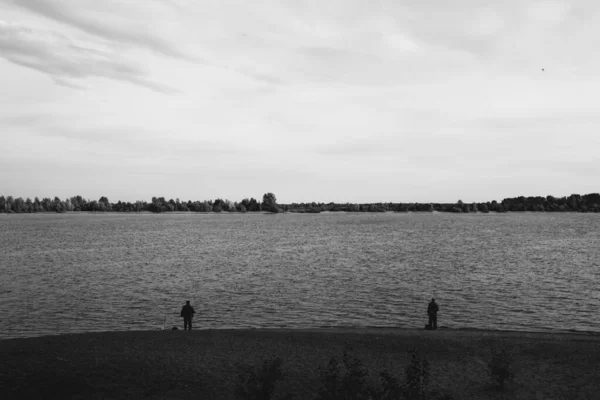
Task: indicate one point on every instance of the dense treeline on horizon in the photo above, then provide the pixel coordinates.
(574, 203)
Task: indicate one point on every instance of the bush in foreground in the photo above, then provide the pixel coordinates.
(355, 385)
(259, 384)
(417, 377)
(352, 385)
(500, 367)
(346, 381)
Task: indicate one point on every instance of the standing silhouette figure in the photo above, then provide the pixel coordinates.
(187, 312)
(432, 311)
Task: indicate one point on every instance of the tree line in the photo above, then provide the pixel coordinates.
(10, 204)
(573, 203)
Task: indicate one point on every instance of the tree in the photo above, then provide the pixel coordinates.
(46, 204)
(182, 205)
(79, 203)
(574, 201)
(158, 205)
(19, 205)
(57, 205)
(68, 205)
(8, 207)
(269, 199)
(94, 206)
(591, 199)
(269, 203)
(253, 205)
(230, 206)
(205, 206)
(220, 205)
(104, 204)
(171, 206)
(29, 205)
(37, 206)
(140, 205)
(353, 207)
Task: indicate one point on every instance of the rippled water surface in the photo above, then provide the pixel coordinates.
(86, 272)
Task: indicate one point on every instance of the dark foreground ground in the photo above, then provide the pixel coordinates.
(204, 364)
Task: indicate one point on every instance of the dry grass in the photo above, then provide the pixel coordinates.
(204, 364)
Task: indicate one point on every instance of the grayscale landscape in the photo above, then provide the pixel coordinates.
(299, 199)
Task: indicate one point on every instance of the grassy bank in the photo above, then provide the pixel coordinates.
(206, 364)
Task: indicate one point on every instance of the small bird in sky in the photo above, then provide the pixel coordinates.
(542, 69)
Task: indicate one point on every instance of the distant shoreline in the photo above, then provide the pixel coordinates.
(370, 330)
(297, 212)
(581, 203)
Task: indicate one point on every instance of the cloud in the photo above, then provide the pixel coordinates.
(131, 142)
(343, 90)
(120, 33)
(66, 62)
(550, 12)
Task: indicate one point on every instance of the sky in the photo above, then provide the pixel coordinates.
(343, 101)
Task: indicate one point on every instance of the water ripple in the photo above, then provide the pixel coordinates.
(85, 272)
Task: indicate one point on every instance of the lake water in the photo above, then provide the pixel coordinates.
(97, 272)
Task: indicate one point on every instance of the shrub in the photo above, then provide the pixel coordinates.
(417, 377)
(351, 386)
(329, 380)
(390, 388)
(500, 367)
(259, 383)
(354, 385)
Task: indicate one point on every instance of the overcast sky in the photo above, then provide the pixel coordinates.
(337, 100)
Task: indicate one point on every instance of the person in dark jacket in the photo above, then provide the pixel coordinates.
(432, 311)
(187, 312)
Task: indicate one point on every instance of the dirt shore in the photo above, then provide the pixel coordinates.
(204, 364)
